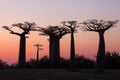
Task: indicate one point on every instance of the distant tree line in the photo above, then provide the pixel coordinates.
(55, 33)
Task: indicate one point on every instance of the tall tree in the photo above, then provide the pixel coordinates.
(99, 26)
(55, 33)
(26, 27)
(72, 25)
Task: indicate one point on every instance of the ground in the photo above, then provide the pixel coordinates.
(58, 74)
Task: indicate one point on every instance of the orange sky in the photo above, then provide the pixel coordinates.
(44, 13)
(86, 43)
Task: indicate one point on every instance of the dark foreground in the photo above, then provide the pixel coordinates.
(58, 74)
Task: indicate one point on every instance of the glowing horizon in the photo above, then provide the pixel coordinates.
(45, 13)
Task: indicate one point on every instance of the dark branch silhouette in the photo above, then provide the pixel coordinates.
(72, 25)
(26, 27)
(55, 33)
(99, 26)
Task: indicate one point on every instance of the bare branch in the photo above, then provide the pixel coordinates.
(11, 31)
(98, 25)
(110, 24)
(7, 28)
(54, 31)
(38, 45)
(19, 25)
(70, 24)
(26, 27)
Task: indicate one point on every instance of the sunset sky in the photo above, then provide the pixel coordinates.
(52, 12)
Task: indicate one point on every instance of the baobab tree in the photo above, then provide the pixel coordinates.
(55, 33)
(38, 49)
(99, 26)
(72, 25)
(26, 27)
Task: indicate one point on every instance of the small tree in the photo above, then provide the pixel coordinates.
(55, 33)
(38, 49)
(99, 26)
(26, 27)
(72, 25)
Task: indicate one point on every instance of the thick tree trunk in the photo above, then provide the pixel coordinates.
(72, 50)
(54, 52)
(100, 62)
(22, 52)
(50, 52)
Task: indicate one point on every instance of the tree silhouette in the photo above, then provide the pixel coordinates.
(55, 33)
(83, 62)
(3, 65)
(112, 60)
(38, 49)
(72, 25)
(26, 27)
(99, 26)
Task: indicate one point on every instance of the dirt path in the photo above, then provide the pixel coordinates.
(58, 74)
